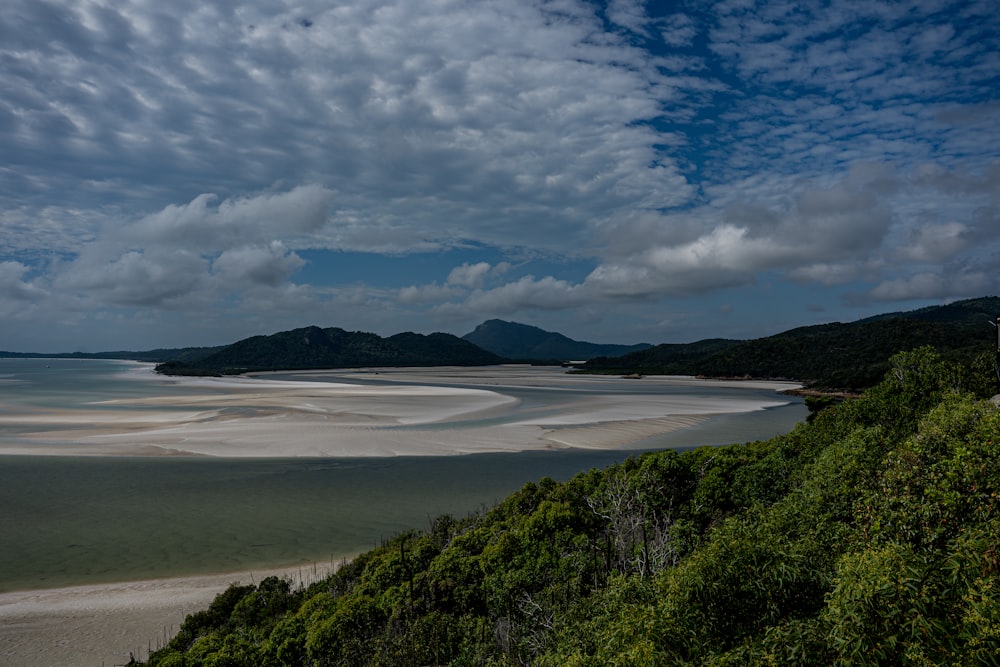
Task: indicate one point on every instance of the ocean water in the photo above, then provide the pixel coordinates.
(79, 520)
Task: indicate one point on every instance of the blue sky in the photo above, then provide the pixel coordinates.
(192, 173)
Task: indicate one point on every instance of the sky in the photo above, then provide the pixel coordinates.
(193, 172)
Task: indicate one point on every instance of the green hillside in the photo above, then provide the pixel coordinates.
(312, 347)
(868, 535)
(521, 341)
(838, 355)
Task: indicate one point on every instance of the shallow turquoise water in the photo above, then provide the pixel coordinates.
(88, 520)
(68, 520)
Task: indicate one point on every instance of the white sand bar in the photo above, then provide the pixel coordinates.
(104, 624)
(379, 412)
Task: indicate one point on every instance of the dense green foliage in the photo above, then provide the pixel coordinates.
(521, 341)
(844, 356)
(870, 535)
(312, 347)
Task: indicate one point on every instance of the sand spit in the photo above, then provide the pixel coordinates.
(104, 624)
(429, 411)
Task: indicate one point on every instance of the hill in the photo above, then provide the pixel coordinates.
(836, 356)
(865, 536)
(521, 341)
(845, 356)
(312, 347)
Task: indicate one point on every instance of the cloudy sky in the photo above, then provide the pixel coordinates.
(194, 172)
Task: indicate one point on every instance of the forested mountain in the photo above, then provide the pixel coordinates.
(849, 356)
(312, 347)
(867, 535)
(521, 341)
(838, 355)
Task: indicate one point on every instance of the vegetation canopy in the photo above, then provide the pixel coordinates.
(846, 356)
(869, 535)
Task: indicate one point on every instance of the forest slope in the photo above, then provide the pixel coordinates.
(839, 355)
(312, 347)
(868, 535)
(521, 341)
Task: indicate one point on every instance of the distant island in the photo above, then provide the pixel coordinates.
(849, 357)
(845, 357)
(521, 341)
(316, 348)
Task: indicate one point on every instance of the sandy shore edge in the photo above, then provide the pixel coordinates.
(264, 417)
(103, 624)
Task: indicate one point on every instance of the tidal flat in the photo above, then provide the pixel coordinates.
(129, 499)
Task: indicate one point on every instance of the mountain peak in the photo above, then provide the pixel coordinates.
(523, 341)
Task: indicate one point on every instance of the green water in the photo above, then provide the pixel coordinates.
(88, 520)
(80, 520)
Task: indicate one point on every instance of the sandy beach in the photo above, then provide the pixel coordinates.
(409, 413)
(103, 625)
(430, 412)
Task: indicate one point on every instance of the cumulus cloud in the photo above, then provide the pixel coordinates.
(935, 242)
(202, 226)
(527, 293)
(469, 275)
(460, 281)
(136, 277)
(836, 273)
(474, 275)
(934, 285)
(246, 266)
(189, 254)
(803, 233)
(13, 287)
(422, 294)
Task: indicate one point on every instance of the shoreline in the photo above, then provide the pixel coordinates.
(106, 623)
(420, 412)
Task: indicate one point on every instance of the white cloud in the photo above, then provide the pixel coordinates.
(678, 30)
(469, 275)
(629, 14)
(13, 287)
(200, 226)
(475, 275)
(460, 281)
(935, 242)
(136, 278)
(269, 265)
(799, 232)
(836, 273)
(423, 294)
(933, 285)
(526, 293)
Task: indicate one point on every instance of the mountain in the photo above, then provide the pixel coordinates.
(849, 356)
(838, 355)
(313, 347)
(521, 341)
